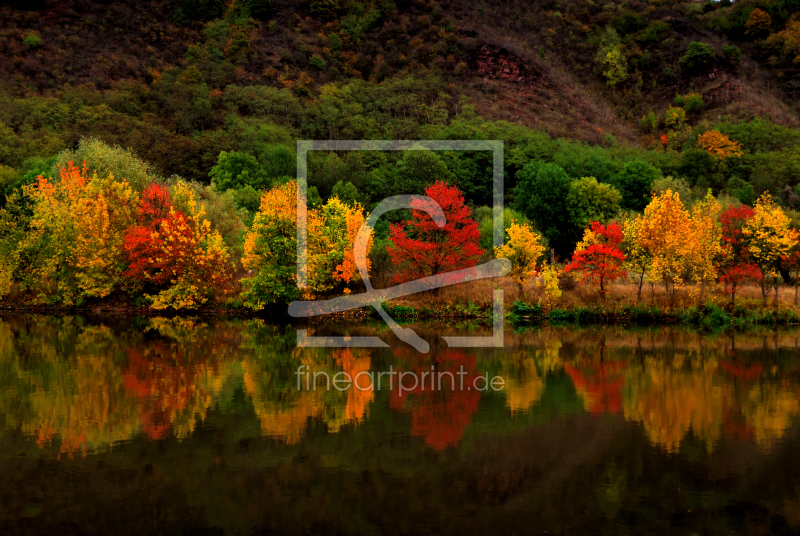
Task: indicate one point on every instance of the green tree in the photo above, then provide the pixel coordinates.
(346, 192)
(235, 170)
(634, 181)
(541, 194)
(589, 200)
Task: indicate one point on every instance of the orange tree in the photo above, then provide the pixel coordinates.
(178, 255)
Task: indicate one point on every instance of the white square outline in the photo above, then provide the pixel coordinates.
(498, 229)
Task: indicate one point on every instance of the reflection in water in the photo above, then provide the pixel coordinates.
(74, 389)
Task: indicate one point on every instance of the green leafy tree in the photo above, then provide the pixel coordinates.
(235, 170)
(589, 200)
(634, 181)
(541, 194)
(346, 192)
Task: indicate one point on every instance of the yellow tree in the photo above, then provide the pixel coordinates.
(719, 145)
(523, 249)
(331, 236)
(76, 234)
(768, 237)
(638, 258)
(704, 241)
(663, 231)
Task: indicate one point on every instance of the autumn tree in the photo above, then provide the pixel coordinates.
(270, 249)
(332, 233)
(664, 229)
(703, 243)
(524, 249)
(736, 265)
(719, 145)
(420, 248)
(768, 238)
(598, 258)
(176, 254)
(76, 234)
(638, 259)
(758, 23)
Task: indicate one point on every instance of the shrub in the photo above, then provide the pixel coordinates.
(674, 117)
(199, 10)
(693, 102)
(649, 122)
(32, 41)
(317, 62)
(732, 53)
(697, 57)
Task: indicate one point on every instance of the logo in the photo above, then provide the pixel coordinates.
(376, 297)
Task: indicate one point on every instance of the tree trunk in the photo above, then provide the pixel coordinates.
(639, 292)
(764, 291)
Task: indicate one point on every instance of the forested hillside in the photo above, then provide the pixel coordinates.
(600, 104)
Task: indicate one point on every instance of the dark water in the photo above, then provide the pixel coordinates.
(181, 426)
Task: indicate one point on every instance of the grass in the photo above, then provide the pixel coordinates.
(583, 306)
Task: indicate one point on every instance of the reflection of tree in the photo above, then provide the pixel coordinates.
(523, 385)
(671, 398)
(283, 410)
(358, 397)
(440, 416)
(768, 408)
(599, 381)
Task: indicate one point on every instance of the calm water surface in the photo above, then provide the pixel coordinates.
(196, 426)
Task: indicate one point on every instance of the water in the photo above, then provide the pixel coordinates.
(196, 426)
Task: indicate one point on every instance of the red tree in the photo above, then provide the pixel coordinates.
(420, 248)
(600, 260)
(737, 266)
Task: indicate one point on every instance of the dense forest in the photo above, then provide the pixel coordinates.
(166, 130)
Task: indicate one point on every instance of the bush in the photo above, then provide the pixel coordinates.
(732, 53)
(697, 57)
(32, 41)
(317, 62)
(693, 102)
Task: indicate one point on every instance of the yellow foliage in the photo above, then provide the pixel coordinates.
(768, 235)
(523, 249)
(664, 231)
(704, 241)
(719, 145)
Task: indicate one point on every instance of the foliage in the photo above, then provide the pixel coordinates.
(598, 258)
(174, 252)
(664, 231)
(76, 235)
(786, 43)
(758, 23)
(541, 194)
(719, 145)
(634, 181)
(589, 200)
(697, 57)
(421, 248)
(768, 237)
(270, 250)
(236, 170)
(524, 249)
(732, 53)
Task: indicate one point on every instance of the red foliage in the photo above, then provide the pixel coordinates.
(602, 381)
(154, 259)
(155, 204)
(737, 266)
(421, 248)
(441, 416)
(600, 262)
